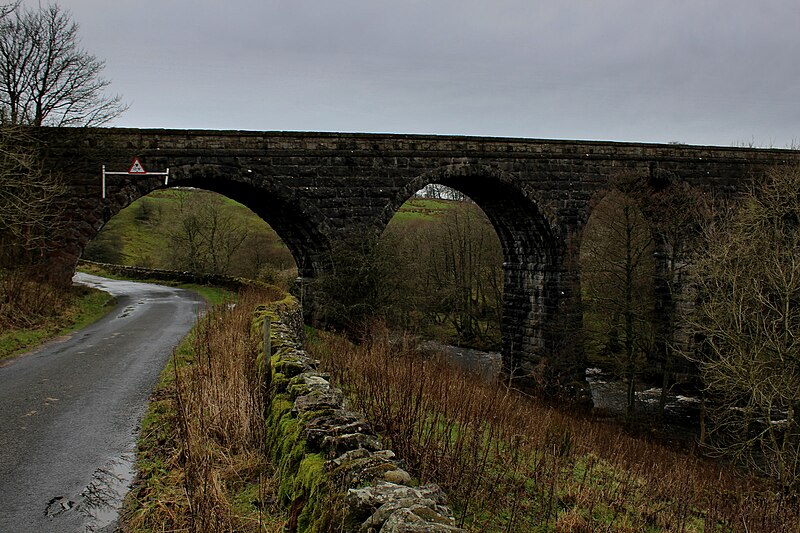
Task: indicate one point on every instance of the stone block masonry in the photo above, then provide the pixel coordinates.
(334, 473)
(316, 188)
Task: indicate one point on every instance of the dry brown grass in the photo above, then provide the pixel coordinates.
(220, 403)
(209, 472)
(28, 300)
(512, 464)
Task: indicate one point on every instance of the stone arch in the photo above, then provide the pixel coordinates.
(630, 183)
(651, 182)
(532, 253)
(301, 226)
(525, 231)
(466, 176)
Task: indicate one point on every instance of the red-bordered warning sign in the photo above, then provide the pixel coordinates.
(136, 167)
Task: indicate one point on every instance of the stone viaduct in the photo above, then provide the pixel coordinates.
(312, 187)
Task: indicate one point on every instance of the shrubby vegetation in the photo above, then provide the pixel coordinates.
(202, 465)
(29, 199)
(730, 282)
(29, 217)
(748, 326)
(46, 79)
(32, 306)
(510, 463)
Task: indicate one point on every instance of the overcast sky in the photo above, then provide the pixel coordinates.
(719, 72)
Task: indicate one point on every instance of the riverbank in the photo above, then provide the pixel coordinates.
(511, 463)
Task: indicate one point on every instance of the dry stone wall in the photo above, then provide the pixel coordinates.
(176, 276)
(335, 474)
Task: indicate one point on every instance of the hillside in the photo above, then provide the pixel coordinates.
(142, 234)
(147, 233)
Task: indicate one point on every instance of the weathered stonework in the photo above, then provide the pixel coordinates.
(313, 187)
(334, 473)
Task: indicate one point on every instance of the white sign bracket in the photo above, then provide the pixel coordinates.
(136, 170)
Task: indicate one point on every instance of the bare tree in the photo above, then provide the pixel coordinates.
(29, 198)
(206, 235)
(617, 270)
(749, 317)
(464, 271)
(6, 9)
(447, 272)
(353, 291)
(30, 209)
(437, 191)
(677, 213)
(46, 78)
(441, 277)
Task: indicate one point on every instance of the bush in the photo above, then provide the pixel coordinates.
(748, 319)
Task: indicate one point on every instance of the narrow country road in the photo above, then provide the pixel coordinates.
(69, 411)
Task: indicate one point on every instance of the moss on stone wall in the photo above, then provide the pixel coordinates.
(333, 473)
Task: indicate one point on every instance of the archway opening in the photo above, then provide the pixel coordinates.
(536, 279)
(446, 269)
(617, 269)
(195, 230)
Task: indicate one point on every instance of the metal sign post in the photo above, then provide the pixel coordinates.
(136, 170)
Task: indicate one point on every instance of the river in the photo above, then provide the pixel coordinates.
(609, 397)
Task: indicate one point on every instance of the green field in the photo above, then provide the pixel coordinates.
(422, 209)
(139, 235)
(142, 234)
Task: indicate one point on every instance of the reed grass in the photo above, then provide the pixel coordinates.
(510, 463)
(205, 469)
(28, 299)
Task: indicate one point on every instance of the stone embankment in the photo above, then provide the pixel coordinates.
(334, 472)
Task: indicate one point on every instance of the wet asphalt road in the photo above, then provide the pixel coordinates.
(69, 411)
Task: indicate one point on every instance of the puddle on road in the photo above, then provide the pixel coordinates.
(102, 498)
(58, 505)
(127, 311)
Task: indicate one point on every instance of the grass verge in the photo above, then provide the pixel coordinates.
(212, 295)
(201, 465)
(84, 306)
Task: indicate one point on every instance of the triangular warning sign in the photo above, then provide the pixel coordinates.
(136, 167)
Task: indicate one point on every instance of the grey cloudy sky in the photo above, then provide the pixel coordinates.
(717, 72)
